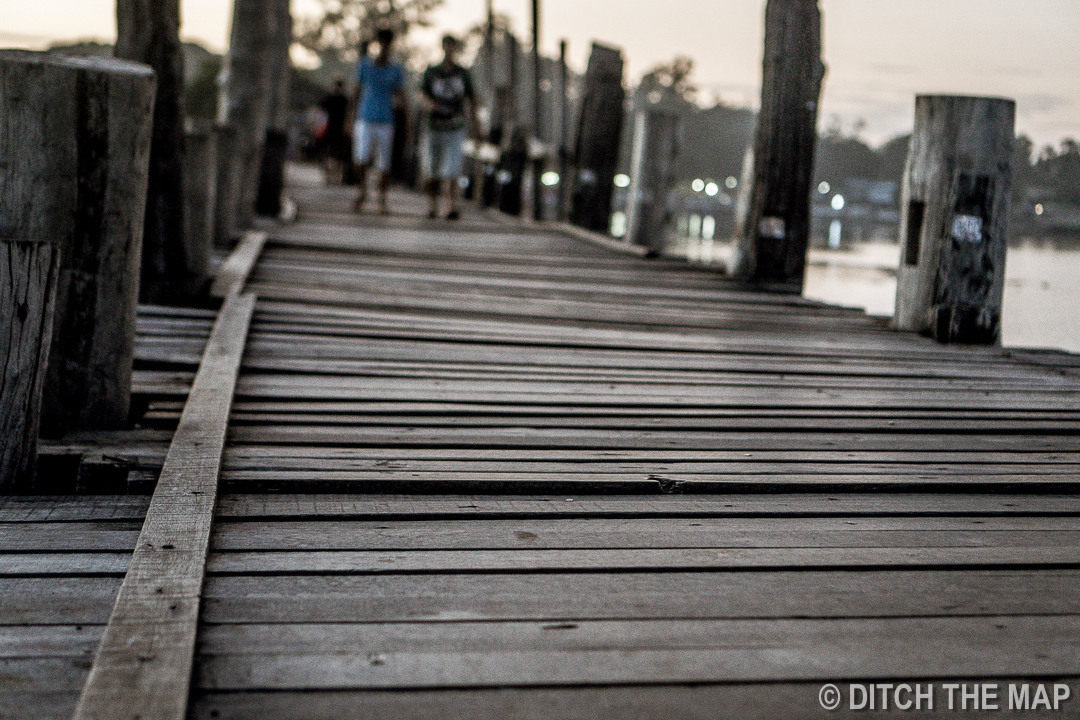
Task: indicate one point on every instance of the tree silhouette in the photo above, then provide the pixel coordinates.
(344, 25)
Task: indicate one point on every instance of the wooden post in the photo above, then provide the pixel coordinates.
(275, 144)
(200, 195)
(656, 143)
(563, 100)
(148, 31)
(771, 244)
(537, 163)
(75, 138)
(954, 215)
(225, 181)
(28, 273)
(244, 106)
(597, 150)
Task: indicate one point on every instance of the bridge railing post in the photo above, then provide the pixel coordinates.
(75, 137)
(772, 240)
(28, 272)
(652, 174)
(954, 218)
(597, 151)
(200, 198)
(148, 31)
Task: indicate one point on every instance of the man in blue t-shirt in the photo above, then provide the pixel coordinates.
(380, 86)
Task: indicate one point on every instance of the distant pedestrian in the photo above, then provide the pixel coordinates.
(334, 142)
(380, 86)
(447, 93)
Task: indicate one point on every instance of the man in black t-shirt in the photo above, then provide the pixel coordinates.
(447, 94)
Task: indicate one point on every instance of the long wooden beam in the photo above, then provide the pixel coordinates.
(236, 268)
(143, 666)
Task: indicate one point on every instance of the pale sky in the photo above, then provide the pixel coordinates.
(880, 53)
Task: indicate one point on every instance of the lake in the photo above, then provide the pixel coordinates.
(1041, 307)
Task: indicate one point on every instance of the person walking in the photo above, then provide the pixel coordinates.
(380, 86)
(334, 143)
(447, 94)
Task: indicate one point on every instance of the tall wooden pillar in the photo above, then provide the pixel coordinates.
(200, 195)
(597, 152)
(656, 144)
(148, 31)
(275, 145)
(246, 94)
(954, 218)
(772, 241)
(75, 139)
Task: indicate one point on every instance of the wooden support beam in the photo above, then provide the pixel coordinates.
(143, 665)
(148, 31)
(75, 142)
(244, 106)
(28, 272)
(200, 197)
(656, 143)
(234, 272)
(774, 231)
(954, 218)
(272, 169)
(597, 153)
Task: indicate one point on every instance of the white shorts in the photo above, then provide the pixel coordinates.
(444, 154)
(373, 138)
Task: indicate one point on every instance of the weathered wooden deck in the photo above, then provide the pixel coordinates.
(492, 471)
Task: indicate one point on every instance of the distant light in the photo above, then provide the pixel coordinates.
(824, 188)
(622, 180)
(708, 227)
(1039, 209)
(711, 189)
(618, 224)
(838, 202)
(550, 178)
(731, 182)
(698, 185)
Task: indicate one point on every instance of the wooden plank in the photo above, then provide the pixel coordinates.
(584, 483)
(24, 509)
(233, 274)
(767, 593)
(686, 443)
(727, 701)
(57, 600)
(647, 533)
(143, 666)
(376, 562)
(464, 654)
(388, 508)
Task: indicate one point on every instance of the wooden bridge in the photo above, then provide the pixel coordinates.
(495, 470)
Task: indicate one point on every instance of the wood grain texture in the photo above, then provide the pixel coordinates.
(28, 277)
(77, 177)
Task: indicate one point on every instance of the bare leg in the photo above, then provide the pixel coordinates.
(384, 186)
(451, 191)
(433, 197)
(361, 180)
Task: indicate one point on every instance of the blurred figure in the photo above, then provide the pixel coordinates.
(380, 85)
(447, 94)
(335, 142)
